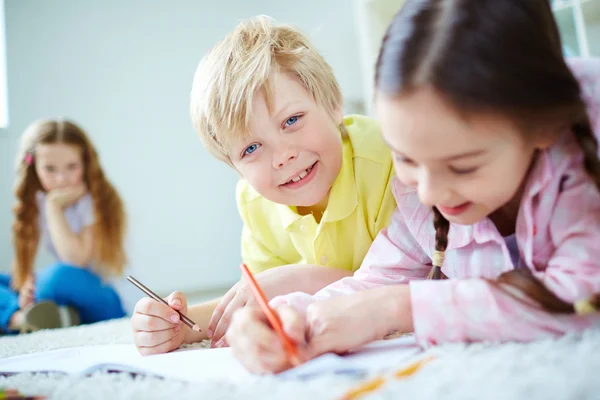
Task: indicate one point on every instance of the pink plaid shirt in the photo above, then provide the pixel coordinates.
(558, 235)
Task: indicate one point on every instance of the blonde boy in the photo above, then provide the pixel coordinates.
(315, 187)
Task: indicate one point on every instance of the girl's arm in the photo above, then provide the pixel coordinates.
(74, 249)
(302, 278)
(395, 257)
(477, 309)
(256, 255)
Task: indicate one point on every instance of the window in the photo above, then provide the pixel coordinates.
(579, 24)
(3, 82)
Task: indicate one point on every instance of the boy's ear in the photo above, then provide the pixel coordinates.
(338, 114)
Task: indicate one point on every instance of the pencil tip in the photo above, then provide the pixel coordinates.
(196, 328)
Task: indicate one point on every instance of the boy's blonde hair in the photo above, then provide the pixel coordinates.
(240, 65)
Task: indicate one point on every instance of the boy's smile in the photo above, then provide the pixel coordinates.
(302, 177)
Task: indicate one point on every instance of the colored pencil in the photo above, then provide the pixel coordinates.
(150, 293)
(290, 348)
(375, 383)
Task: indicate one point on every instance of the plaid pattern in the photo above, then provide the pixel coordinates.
(558, 234)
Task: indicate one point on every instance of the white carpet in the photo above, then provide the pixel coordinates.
(562, 369)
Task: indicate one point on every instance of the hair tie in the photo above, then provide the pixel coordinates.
(438, 258)
(584, 307)
(28, 158)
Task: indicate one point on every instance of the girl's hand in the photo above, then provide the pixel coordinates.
(273, 282)
(27, 293)
(67, 196)
(257, 346)
(342, 323)
(156, 327)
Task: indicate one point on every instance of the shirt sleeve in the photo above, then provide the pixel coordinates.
(395, 257)
(256, 255)
(475, 309)
(587, 72)
(388, 205)
(85, 210)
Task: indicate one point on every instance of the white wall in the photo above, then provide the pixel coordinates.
(123, 70)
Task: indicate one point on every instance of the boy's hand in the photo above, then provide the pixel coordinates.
(67, 196)
(156, 327)
(27, 293)
(273, 282)
(257, 346)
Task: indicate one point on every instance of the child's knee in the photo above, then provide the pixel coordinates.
(106, 306)
(56, 279)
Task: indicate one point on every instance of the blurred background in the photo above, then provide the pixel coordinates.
(122, 69)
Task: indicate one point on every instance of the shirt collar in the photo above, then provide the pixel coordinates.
(540, 175)
(343, 198)
(288, 215)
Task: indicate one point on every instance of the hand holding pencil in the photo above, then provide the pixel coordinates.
(263, 339)
(265, 344)
(159, 326)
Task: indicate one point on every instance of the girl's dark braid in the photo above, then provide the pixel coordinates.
(442, 226)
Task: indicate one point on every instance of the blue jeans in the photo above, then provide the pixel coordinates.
(66, 286)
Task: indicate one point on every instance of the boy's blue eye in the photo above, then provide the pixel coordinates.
(251, 149)
(291, 120)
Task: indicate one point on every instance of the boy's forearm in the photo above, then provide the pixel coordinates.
(306, 278)
(200, 314)
(312, 278)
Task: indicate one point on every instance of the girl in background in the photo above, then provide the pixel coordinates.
(65, 202)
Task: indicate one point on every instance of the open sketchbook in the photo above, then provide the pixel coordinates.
(205, 364)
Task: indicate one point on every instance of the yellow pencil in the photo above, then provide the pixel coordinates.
(374, 384)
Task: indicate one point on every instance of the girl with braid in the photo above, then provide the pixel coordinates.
(496, 236)
(65, 202)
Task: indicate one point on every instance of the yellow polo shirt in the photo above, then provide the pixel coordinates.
(360, 205)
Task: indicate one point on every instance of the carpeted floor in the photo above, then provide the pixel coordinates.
(566, 368)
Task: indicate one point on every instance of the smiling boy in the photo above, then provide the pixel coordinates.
(315, 188)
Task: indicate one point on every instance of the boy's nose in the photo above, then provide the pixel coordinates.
(279, 161)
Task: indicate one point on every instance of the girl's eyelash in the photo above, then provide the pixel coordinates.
(404, 160)
(457, 171)
(465, 171)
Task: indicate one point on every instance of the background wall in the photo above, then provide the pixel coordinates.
(123, 71)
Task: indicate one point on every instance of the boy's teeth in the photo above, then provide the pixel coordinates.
(301, 175)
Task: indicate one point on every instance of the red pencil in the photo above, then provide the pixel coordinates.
(271, 316)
